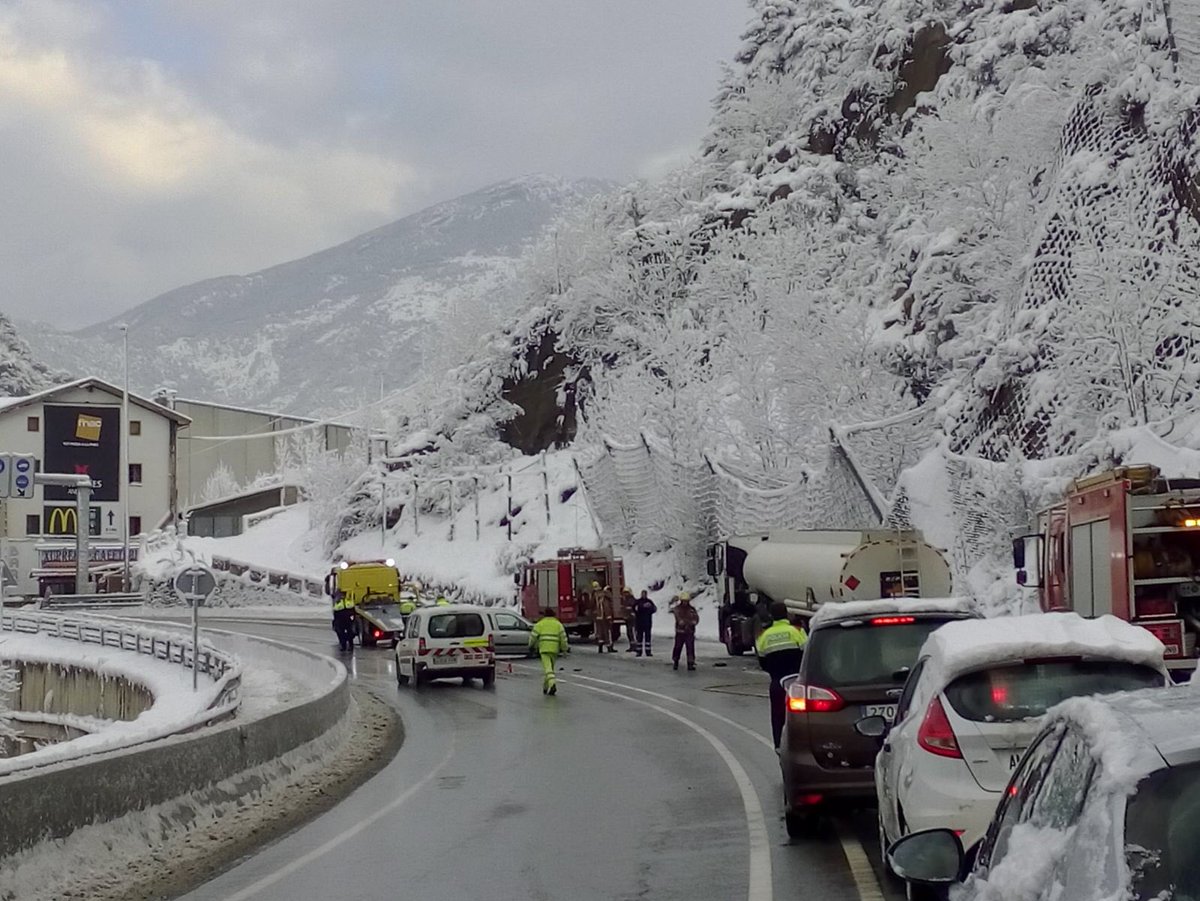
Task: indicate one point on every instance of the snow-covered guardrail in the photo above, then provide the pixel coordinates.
(275, 578)
(223, 669)
(136, 772)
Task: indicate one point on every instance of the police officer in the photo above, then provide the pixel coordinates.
(343, 619)
(780, 649)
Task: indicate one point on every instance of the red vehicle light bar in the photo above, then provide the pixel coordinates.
(893, 620)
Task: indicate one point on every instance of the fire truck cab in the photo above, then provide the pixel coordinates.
(564, 584)
(1124, 542)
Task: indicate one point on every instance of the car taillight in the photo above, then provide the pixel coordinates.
(893, 620)
(491, 642)
(935, 734)
(811, 699)
(378, 634)
(421, 648)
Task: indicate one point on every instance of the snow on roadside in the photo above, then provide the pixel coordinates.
(175, 704)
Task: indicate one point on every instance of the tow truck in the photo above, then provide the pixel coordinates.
(564, 584)
(1125, 542)
(374, 587)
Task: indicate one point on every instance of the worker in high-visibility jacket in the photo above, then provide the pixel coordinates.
(780, 649)
(548, 639)
(343, 619)
(441, 601)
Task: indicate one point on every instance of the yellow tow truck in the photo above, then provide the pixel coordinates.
(373, 586)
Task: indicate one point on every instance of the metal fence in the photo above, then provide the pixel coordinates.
(273, 578)
(223, 669)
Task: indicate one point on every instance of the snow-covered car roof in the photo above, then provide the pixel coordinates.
(835, 611)
(1134, 732)
(970, 644)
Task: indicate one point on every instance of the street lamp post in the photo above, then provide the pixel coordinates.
(124, 474)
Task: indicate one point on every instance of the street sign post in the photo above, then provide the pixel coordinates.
(193, 585)
(21, 484)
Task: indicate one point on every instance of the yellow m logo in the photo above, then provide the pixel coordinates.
(62, 521)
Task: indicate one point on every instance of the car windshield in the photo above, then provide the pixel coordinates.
(867, 654)
(1162, 835)
(455, 625)
(1022, 690)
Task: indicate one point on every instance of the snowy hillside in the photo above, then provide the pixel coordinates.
(20, 373)
(324, 332)
(973, 225)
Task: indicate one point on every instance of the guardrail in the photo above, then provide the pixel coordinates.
(224, 669)
(112, 599)
(273, 577)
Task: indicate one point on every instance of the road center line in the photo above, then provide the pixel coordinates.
(320, 851)
(760, 883)
(861, 871)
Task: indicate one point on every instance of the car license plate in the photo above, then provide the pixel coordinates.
(887, 711)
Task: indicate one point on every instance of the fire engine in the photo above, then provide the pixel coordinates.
(564, 584)
(1124, 542)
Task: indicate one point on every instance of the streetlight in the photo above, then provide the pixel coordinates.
(123, 481)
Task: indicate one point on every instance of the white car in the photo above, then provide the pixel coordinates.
(446, 642)
(975, 700)
(512, 632)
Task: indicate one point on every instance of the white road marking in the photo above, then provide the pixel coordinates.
(760, 884)
(318, 852)
(861, 870)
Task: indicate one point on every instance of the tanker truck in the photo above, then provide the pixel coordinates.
(805, 569)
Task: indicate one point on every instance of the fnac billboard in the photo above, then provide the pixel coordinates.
(83, 441)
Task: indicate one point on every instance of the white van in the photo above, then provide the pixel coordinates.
(455, 641)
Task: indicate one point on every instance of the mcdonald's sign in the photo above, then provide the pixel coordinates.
(65, 521)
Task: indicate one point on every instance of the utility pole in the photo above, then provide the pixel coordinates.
(123, 482)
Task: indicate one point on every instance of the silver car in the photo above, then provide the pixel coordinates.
(512, 633)
(1105, 804)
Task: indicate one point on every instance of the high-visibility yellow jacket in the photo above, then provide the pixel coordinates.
(548, 636)
(780, 649)
(407, 607)
(343, 602)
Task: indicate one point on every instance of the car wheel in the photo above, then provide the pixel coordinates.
(467, 680)
(799, 825)
(401, 679)
(419, 677)
(489, 678)
(925, 893)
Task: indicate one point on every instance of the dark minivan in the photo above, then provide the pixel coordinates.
(858, 655)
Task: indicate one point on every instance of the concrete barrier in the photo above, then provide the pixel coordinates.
(53, 801)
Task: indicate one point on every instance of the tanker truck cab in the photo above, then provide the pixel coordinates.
(806, 569)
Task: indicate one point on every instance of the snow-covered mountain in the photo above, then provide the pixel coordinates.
(323, 333)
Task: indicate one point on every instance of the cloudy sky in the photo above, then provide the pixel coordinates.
(148, 144)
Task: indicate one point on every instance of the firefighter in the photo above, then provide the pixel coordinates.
(687, 618)
(643, 616)
(548, 639)
(780, 648)
(603, 619)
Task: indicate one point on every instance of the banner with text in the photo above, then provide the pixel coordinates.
(83, 441)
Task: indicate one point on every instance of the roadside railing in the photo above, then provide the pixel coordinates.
(223, 669)
(85, 601)
(273, 577)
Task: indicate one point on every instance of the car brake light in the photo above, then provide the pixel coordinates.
(811, 699)
(935, 734)
(491, 641)
(378, 634)
(809, 800)
(1000, 695)
(893, 620)
(421, 647)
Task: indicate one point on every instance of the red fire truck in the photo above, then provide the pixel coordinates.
(1126, 542)
(564, 584)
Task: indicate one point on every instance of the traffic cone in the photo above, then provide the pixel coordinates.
(510, 666)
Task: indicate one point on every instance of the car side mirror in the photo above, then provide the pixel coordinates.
(930, 857)
(874, 726)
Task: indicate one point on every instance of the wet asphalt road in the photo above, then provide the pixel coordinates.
(634, 782)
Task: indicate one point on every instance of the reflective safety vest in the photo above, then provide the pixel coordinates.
(344, 602)
(548, 636)
(780, 636)
(407, 607)
(442, 602)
